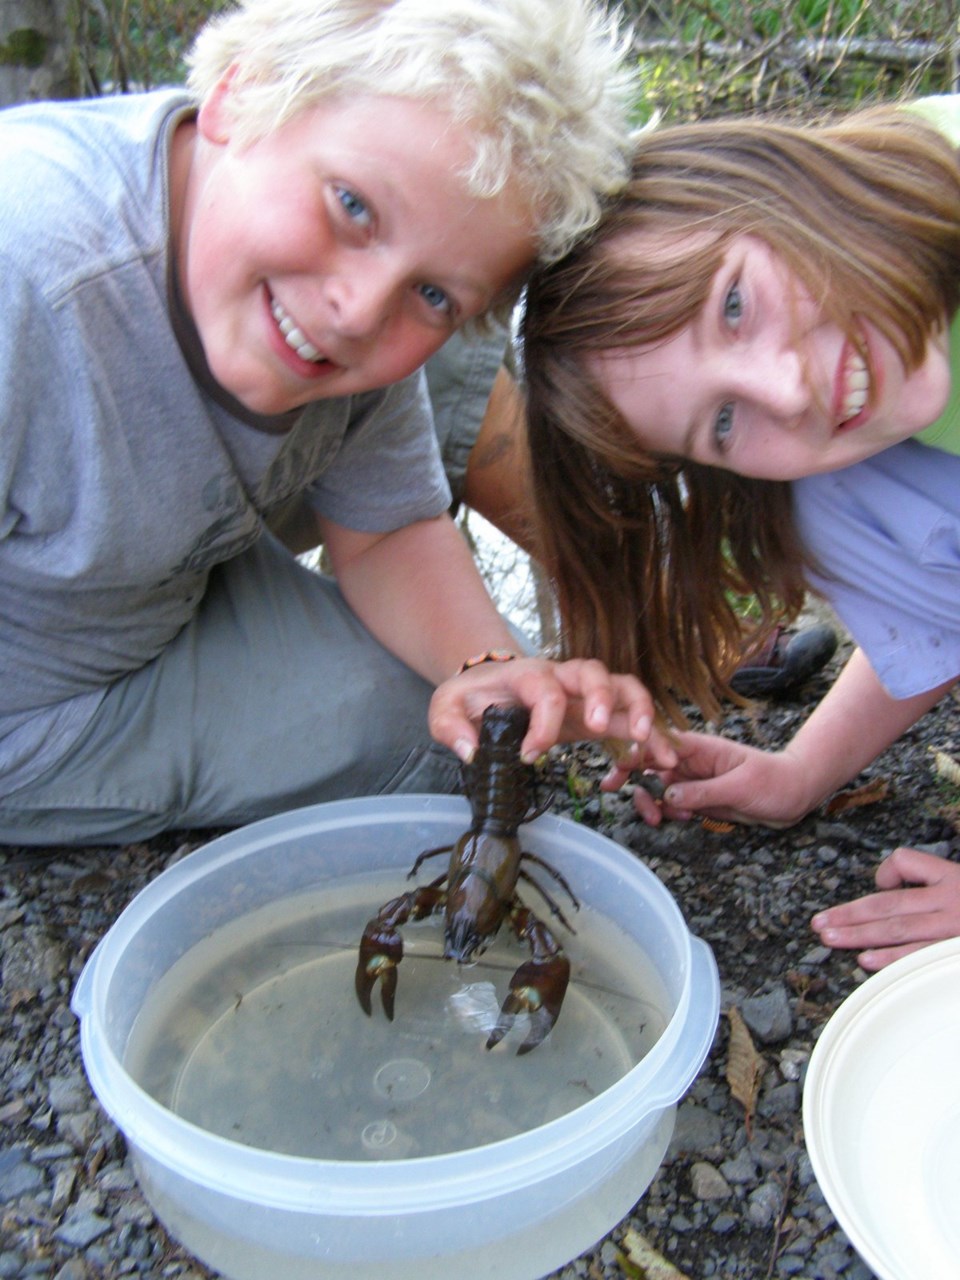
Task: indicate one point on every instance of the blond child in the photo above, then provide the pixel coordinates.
(216, 299)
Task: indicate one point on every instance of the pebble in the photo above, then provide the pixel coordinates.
(769, 1015)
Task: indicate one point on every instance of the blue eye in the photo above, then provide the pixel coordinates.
(435, 297)
(355, 208)
(723, 426)
(733, 305)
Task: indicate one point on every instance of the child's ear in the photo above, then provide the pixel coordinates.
(215, 117)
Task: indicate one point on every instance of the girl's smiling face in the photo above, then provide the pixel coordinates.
(336, 254)
(762, 383)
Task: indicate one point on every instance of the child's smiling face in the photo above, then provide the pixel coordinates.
(764, 384)
(339, 252)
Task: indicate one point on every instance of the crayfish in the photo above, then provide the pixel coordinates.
(478, 891)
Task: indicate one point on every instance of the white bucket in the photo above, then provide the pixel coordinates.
(881, 1116)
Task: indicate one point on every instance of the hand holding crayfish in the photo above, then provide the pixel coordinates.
(477, 892)
(569, 701)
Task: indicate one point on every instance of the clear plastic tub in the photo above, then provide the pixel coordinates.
(518, 1207)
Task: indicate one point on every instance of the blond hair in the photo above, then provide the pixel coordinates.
(648, 555)
(543, 83)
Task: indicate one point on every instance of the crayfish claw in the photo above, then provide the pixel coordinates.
(381, 951)
(511, 1006)
(537, 988)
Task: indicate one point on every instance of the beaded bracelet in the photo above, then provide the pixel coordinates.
(492, 655)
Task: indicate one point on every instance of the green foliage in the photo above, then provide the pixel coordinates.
(121, 45)
(24, 47)
(703, 58)
(699, 57)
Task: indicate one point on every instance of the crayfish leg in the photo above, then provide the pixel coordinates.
(430, 853)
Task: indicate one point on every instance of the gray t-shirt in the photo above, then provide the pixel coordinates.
(125, 472)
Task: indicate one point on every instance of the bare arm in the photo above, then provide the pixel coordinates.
(419, 592)
(850, 727)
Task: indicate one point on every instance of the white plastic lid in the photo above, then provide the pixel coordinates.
(881, 1113)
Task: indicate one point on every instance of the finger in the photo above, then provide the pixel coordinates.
(614, 779)
(548, 705)
(451, 726)
(616, 705)
(713, 801)
(893, 918)
(588, 683)
(878, 958)
(909, 866)
(647, 807)
(660, 752)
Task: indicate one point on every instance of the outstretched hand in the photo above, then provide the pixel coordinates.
(569, 702)
(918, 903)
(718, 778)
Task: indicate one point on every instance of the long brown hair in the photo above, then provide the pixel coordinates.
(648, 555)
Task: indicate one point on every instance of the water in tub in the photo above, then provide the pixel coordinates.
(256, 1033)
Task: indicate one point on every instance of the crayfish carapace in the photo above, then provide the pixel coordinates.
(478, 891)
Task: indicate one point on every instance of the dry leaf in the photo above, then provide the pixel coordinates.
(947, 767)
(856, 797)
(745, 1066)
(650, 1264)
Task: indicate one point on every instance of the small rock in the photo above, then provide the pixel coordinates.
(63, 1186)
(781, 1101)
(81, 1228)
(78, 1128)
(707, 1182)
(788, 1264)
(769, 1016)
(742, 1169)
(68, 1093)
(793, 1063)
(696, 1131)
(13, 1112)
(18, 1176)
(764, 1204)
(32, 961)
(75, 1269)
(724, 1223)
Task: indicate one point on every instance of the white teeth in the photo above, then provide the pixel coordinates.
(293, 336)
(856, 386)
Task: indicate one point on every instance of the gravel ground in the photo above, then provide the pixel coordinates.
(732, 1200)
